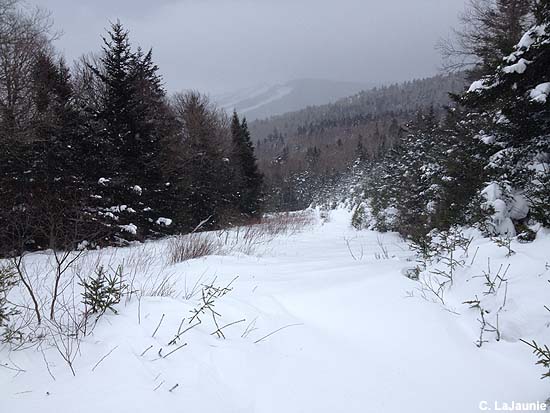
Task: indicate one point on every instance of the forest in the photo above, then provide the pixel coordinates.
(485, 162)
(99, 154)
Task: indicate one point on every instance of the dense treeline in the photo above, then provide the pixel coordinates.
(100, 154)
(488, 162)
(305, 155)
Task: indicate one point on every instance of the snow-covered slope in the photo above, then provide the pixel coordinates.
(331, 325)
(270, 100)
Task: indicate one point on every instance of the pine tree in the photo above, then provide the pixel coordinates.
(462, 171)
(360, 153)
(249, 178)
(116, 111)
(152, 127)
(200, 169)
(127, 141)
(490, 30)
(430, 179)
(43, 185)
(515, 95)
(60, 186)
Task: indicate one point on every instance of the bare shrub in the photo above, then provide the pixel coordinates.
(384, 253)
(247, 238)
(19, 265)
(187, 247)
(162, 284)
(209, 296)
(504, 242)
(288, 223)
(190, 291)
(357, 256)
(66, 331)
(243, 239)
(445, 252)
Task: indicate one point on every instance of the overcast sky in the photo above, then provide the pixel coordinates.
(225, 45)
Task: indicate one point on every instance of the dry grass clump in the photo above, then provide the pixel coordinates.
(195, 245)
(243, 239)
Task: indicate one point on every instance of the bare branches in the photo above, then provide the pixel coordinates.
(146, 350)
(173, 351)
(431, 286)
(46, 362)
(195, 245)
(68, 346)
(104, 357)
(24, 34)
(182, 332)
(276, 331)
(493, 283)
(19, 265)
(489, 30)
(219, 332)
(16, 369)
(64, 260)
(355, 257)
(249, 328)
(158, 326)
(210, 293)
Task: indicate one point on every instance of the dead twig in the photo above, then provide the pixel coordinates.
(276, 331)
(104, 357)
(158, 326)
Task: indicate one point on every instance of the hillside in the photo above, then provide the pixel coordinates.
(395, 99)
(270, 100)
(319, 142)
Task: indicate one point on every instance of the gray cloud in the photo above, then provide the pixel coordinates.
(216, 45)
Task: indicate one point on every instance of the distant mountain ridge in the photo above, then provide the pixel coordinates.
(311, 148)
(271, 100)
(398, 100)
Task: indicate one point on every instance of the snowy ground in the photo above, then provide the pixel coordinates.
(354, 340)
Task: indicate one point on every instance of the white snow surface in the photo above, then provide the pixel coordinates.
(356, 342)
(540, 93)
(531, 36)
(502, 215)
(164, 221)
(477, 86)
(130, 228)
(519, 67)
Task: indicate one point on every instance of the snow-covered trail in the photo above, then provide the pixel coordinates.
(355, 342)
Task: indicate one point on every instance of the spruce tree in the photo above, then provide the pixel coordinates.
(360, 153)
(126, 143)
(515, 95)
(200, 169)
(44, 190)
(249, 179)
(490, 29)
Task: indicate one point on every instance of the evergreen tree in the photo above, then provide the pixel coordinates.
(515, 96)
(360, 152)
(60, 185)
(126, 143)
(200, 168)
(249, 178)
(430, 179)
(44, 185)
(116, 113)
(490, 30)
